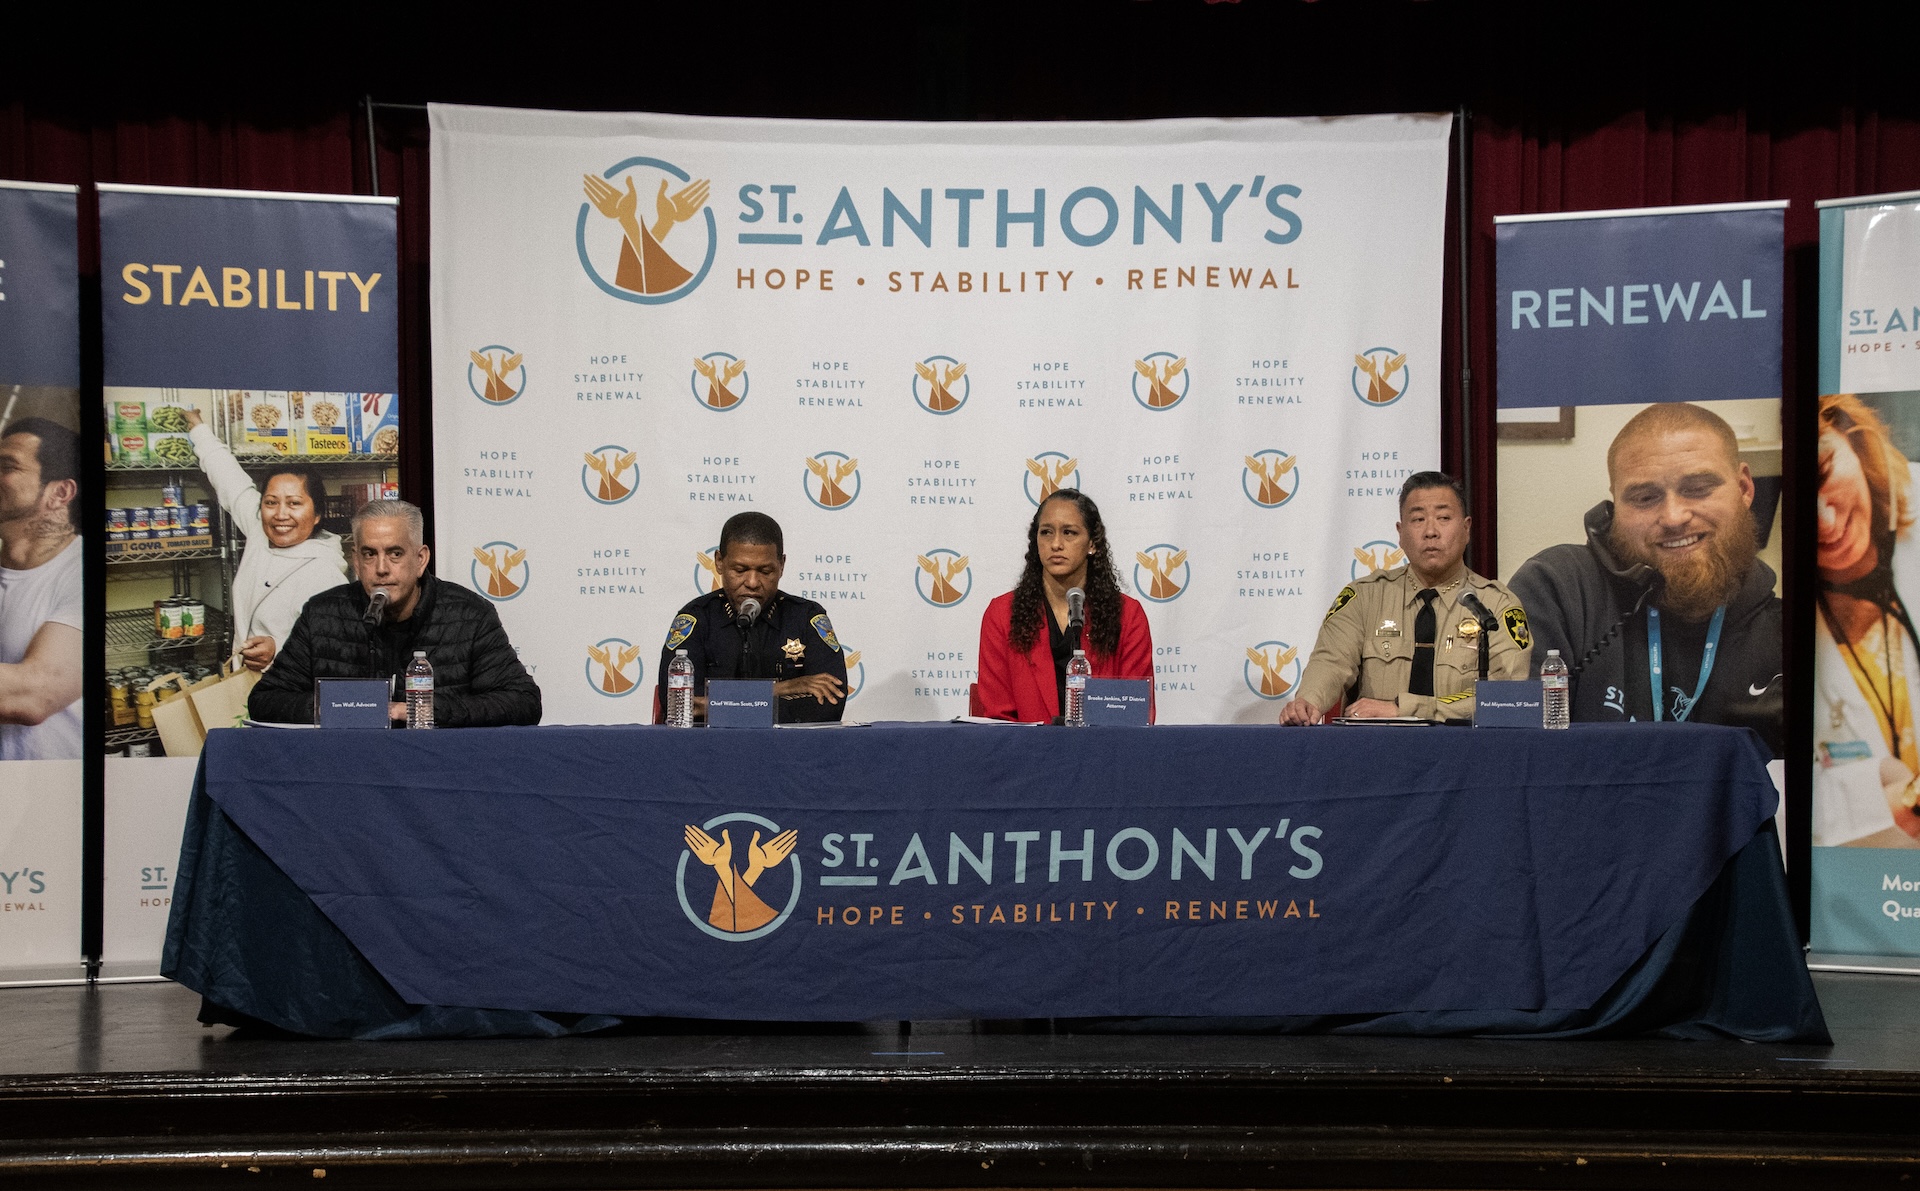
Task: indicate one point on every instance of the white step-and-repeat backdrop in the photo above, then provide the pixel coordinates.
(895, 339)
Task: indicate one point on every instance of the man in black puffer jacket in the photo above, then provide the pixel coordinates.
(478, 681)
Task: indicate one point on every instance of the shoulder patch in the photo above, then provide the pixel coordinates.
(1516, 618)
(681, 629)
(1339, 602)
(824, 627)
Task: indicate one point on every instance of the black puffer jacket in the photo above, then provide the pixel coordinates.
(478, 681)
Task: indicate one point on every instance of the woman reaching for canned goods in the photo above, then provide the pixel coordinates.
(288, 559)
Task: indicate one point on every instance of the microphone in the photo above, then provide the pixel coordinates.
(1488, 625)
(376, 607)
(748, 612)
(1076, 607)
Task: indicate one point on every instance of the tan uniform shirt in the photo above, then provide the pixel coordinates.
(1368, 636)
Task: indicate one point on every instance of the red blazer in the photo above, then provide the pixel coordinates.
(1020, 686)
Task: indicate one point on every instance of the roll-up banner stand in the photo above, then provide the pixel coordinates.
(896, 339)
(1866, 871)
(243, 332)
(42, 600)
(1640, 457)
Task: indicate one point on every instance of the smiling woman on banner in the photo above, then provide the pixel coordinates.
(1023, 666)
(1866, 656)
(288, 559)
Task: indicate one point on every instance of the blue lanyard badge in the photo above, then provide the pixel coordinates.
(1706, 663)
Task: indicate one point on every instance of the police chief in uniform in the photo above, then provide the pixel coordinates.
(1403, 641)
(790, 640)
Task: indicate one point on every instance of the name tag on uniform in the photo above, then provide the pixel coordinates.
(1118, 702)
(1500, 704)
(739, 703)
(351, 702)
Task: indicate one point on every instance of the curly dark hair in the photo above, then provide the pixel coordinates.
(1103, 583)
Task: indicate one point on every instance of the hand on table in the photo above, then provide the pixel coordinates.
(824, 688)
(1299, 711)
(397, 713)
(1372, 709)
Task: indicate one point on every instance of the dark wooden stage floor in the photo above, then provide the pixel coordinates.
(120, 1087)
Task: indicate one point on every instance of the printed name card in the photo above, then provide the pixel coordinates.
(1119, 702)
(1498, 704)
(351, 702)
(739, 703)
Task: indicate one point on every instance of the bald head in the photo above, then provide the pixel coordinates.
(1668, 419)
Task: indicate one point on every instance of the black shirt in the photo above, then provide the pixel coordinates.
(1063, 642)
(791, 638)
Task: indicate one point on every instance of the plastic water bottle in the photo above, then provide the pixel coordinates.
(1078, 671)
(680, 690)
(419, 691)
(1554, 712)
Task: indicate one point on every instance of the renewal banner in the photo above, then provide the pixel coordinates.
(1866, 885)
(42, 609)
(1638, 570)
(242, 331)
(896, 339)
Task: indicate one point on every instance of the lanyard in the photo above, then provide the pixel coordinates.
(1706, 662)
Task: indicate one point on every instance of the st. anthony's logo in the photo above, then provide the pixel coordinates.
(505, 567)
(1271, 478)
(622, 233)
(614, 667)
(1049, 472)
(719, 380)
(1380, 375)
(610, 473)
(856, 670)
(496, 374)
(706, 575)
(941, 384)
(1160, 380)
(835, 480)
(1374, 557)
(1272, 669)
(731, 888)
(944, 578)
(1165, 573)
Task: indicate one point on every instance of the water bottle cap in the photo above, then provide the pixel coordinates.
(419, 653)
(1079, 653)
(679, 653)
(1553, 653)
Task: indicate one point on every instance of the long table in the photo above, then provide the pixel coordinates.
(1608, 879)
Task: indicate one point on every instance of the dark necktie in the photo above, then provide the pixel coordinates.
(1425, 624)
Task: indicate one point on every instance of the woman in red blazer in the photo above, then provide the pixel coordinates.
(1024, 642)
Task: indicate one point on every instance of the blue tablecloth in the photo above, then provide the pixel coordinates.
(1606, 879)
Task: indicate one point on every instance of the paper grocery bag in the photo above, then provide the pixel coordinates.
(224, 703)
(177, 721)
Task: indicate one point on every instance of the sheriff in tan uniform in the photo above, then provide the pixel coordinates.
(1369, 636)
(1370, 644)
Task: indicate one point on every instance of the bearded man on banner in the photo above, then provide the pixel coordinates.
(1666, 613)
(42, 604)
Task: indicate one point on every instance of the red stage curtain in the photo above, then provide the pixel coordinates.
(1521, 161)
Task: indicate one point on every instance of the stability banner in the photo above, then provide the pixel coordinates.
(896, 339)
(42, 609)
(241, 331)
(1866, 884)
